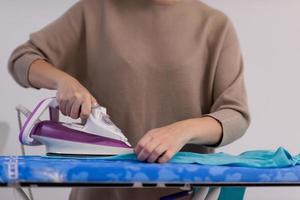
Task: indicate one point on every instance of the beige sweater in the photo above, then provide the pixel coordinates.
(149, 64)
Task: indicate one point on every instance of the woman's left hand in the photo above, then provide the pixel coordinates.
(161, 144)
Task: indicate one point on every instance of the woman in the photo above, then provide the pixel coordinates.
(170, 73)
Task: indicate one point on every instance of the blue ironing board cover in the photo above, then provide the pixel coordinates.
(40, 169)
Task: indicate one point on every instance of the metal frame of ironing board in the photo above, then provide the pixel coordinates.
(126, 185)
(184, 187)
(149, 185)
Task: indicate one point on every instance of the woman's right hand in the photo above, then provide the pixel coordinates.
(74, 100)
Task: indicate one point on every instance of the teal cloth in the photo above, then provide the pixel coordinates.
(256, 159)
(230, 193)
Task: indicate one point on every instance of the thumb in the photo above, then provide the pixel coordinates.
(94, 101)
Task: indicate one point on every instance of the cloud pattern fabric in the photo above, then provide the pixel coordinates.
(249, 167)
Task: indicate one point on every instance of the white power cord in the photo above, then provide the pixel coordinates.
(22, 110)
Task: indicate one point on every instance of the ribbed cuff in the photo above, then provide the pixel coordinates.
(22, 66)
(233, 125)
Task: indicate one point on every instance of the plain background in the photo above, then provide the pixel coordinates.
(269, 33)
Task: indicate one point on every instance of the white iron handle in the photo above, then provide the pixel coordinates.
(34, 118)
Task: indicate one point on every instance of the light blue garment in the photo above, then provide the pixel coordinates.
(297, 159)
(258, 159)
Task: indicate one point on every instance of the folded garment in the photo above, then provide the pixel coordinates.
(256, 159)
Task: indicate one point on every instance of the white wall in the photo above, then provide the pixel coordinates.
(269, 33)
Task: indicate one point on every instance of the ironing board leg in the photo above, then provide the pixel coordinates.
(22, 193)
(176, 195)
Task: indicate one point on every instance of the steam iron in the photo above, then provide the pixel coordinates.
(98, 136)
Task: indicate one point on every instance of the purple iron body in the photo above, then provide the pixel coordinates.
(98, 136)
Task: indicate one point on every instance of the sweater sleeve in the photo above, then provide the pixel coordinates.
(58, 43)
(230, 106)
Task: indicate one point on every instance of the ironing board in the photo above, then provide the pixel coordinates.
(51, 171)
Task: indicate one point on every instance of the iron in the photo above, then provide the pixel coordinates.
(98, 136)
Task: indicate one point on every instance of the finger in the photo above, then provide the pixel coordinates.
(68, 108)
(94, 101)
(147, 151)
(86, 107)
(156, 153)
(142, 143)
(75, 109)
(166, 156)
(62, 106)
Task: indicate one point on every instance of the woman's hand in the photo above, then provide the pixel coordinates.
(161, 144)
(74, 100)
